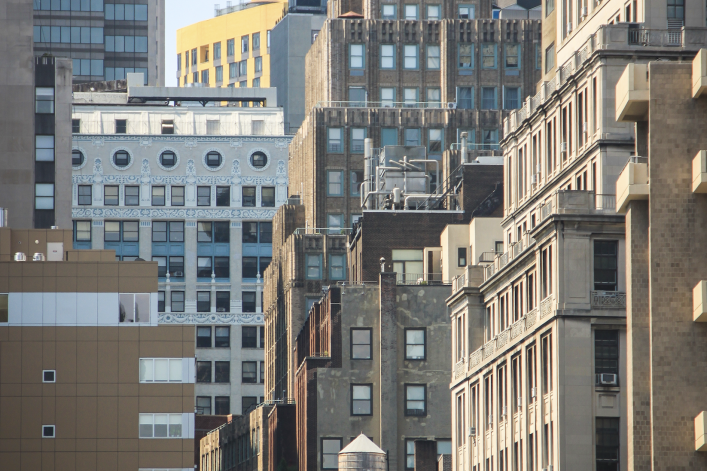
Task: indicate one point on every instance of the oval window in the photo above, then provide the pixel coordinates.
(168, 159)
(213, 159)
(121, 158)
(76, 157)
(258, 159)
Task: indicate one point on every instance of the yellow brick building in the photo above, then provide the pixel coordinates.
(231, 49)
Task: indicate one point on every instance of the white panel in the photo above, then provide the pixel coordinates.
(55, 251)
(108, 309)
(66, 308)
(153, 308)
(49, 308)
(14, 308)
(188, 370)
(31, 308)
(188, 424)
(86, 308)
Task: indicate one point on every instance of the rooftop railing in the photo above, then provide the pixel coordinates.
(421, 279)
(388, 104)
(323, 231)
(476, 147)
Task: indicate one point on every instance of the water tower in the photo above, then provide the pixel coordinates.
(362, 455)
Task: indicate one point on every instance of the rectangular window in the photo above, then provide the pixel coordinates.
(607, 439)
(606, 265)
(231, 47)
(244, 44)
(250, 372)
(488, 56)
(434, 97)
(334, 140)
(356, 56)
(121, 126)
(44, 100)
(410, 97)
(267, 198)
(203, 371)
(356, 178)
(549, 7)
(466, 12)
(222, 405)
(247, 403)
(488, 98)
(177, 196)
(357, 137)
(266, 232)
(203, 337)
(219, 73)
(337, 265)
(547, 362)
(465, 98)
(249, 196)
(410, 453)
(434, 141)
(388, 56)
(85, 194)
(249, 267)
(203, 405)
(361, 344)
(433, 59)
(415, 399)
(330, 453)
(389, 137)
(461, 256)
(249, 337)
(75, 126)
(82, 231)
(222, 370)
(262, 372)
(256, 41)
(44, 148)
(387, 97)
(243, 71)
(132, 195)
(250, 232)
(434, 12)
(512, 56)
(313, 266)
(388, 12)
(512, 98)
(248, 301)
(44, 196)
(361, 395)
(550, 58)
(110, 195)
(411, 54)
(232, 70)
(161, 370)
(258, 65)
(158, 195)
(203, 301)
(177, 301)
(335, 183)
(411, 12)
(203, 196)
(160, 425)
(223, 196)
(160, 301)
(606, 352)
(415, 344)
(466, 56)
(223, 335)
(412, 137)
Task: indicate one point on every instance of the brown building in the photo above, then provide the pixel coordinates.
(88, 379)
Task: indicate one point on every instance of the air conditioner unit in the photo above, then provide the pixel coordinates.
(472, 431)
(221, 309)
(585, 127)
(504, 411)
(178, 274)
(533, 392)
(569, 27)
(490, 421)
(563, 147)
(607, 379)
(584, 12)
(519, 401)
(534, 178)
(452, 105)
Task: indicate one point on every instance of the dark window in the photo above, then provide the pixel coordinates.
(258, 159)
(203, 405)
(177, 196)
(176, 267)
(248, 301)
(221, 267)
(415, 344)
(76, 157)
(177, 304)
(121, 126)
(223, 196)
(161, 265)
(121, 158)
(203, 267)
(606, 351)
(416, 399)
(223, 301)
(267, 196)
(168, 127)
(361, 344)
(160, 301)
(132, 196)
(676, 11)
(168, 158)
(606, 265)
(249, 402)
(204, 232)
(361, 395)
(266, 233)
(158, 195)
(222, 405)
(262, 336)
(85, 194)
(213, 159)
(223, 337)
(248, 196)
(223, 372)
(75, 126)
(250, 372)
(262, 372)
(203, 301)
(461, 256)
(250, 337)
(250, 232)
(250, 267)
(203, 196)
(203, 337)
(263, 264)
(203, 371)
(221, 232)
(159, 231)
(48, 431)
(607, 443)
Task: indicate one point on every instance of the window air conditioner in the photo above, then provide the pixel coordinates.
(490, 419)
(519, 401)
(221, 309)
(472, 431)
(533, 392)
(452, 105)
(569, 28)
(504, 411)
(178, 273)
(563, 147)
(607, 379)
(584, 12)
(534, 179)
(585, 127)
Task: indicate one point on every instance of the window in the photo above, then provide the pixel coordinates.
(387, 97)
(244, 44)
(549, 7)
(512, 99)
(177, 301)
(434, 141)
(410, 55)
(411, 12)
(461, 256)
(160, 425)
(388, 56)
(205, 76)
(223, 196)
(258, 159)
(85, 194)
(606, 352)
(361, 344)
(77, 158)
(488, 56)
(48, 376)
(434, 12)
(267, 196)
(256, 84)
(75, 126)
(248, 301)
(607, 429)
(488, 98)
(222, 405)
(412, 137)
(335, 183)
(121, 158)
(266, 232)
(48, 431)
(433, 57)
(177, 196)
(44, 148)
(410, 453)
(217, 50)
(361, 399)
(44, 100)
(203, 301)
(465, 98)
(466, 12)
(161, 370)
(157, 196)
(258, 65)
(160, 301)
(249, 337)
(337, 264)
(223, 337)
(434, 97)
(203, 405)
(356, 56)
(213, 159)
(547, 362)
(415, 399)
(250, 373)
(415, 344)
(232, 70)
(222, 372)
(121, 126)
(330, 453)
(250, 232)
(203, 371)
(550, 58)
(203, 337)
(256, 41)
(132, 195)
(512, 56)
(388, 12)
(313, 266)
(606, 265)
(335, 222)
(82, 231)
(110, 195)
(230, 47)
(466, 56)
(219, 73)
(134, 307)
(203, 196)
(410, 97)
(676, 9)
(389, 137)
(248, 196)
(356, 179)
(247, 404)
(168, 128)
(489, 138)
(249, 267)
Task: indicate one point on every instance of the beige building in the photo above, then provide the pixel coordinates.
(88, 378)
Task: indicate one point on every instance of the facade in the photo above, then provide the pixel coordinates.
(231, 49)
(105, 39)
(35, 134)
(193, 188)
(661, 194)
(378, 353)
(89, 379)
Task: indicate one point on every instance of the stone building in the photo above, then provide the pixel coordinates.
(662, 196)
(193, 188)
(540, 339)
(89, 379)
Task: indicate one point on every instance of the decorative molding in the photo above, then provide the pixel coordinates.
(176, 154)
(171, 213)
(209, 318)
(98, 140)
(236, 143)
(146, 142)
(267, 156)
(85, 157)
(130, 155)
(281, 168)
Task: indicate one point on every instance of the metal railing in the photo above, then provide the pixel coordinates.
(608, 299)
(545, 210)
(322, 230)
(655, 37)
(459, 282)
(472, 146)
(421, 279)
(388, 104)
(488, 257)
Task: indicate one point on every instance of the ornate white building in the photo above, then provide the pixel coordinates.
(195, 189)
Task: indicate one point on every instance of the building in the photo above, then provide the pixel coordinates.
(206, 51)
(105, 41)
(89, 379)
(372, 358)
(193, 188)
(35, 107)
(662, 193)
(540, 336)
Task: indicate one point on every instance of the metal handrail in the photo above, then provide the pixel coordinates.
(322, 230)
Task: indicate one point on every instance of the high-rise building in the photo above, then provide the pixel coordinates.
(105, 39)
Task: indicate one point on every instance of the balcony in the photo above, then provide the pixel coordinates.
(608, 300)
(502, 259)
(632, 183)
(699, 302)
(460, 368)
(699, 74)
(699, 172)
(632, 94)
(472, 277)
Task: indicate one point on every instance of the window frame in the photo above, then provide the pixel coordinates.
(393, 57)
(352, 56)
(370, 343)
(407, 411)
(370, 399)
(243, 363)
(329, 182)
(406, 48)
(89, 195)
(321, 448)
(429, 47)
(424, 344)
(495, 56)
